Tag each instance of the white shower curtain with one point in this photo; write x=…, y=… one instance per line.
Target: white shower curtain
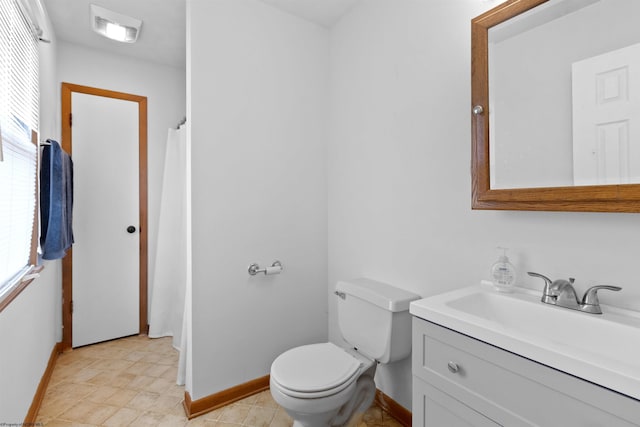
x=167, y=293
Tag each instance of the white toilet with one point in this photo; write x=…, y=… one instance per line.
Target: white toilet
x=323, y=384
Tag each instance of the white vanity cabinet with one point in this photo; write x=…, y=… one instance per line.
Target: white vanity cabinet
x=461, y=381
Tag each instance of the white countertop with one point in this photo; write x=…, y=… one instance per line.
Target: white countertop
x=603, y=349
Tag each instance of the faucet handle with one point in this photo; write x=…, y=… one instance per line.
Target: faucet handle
x=590, y=302
x=547, y=281
x=546, y=292
x=591, y=296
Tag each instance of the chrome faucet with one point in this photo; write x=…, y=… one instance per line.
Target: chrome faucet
x=562, y=293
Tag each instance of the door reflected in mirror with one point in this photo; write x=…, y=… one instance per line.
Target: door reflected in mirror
x=564, y=95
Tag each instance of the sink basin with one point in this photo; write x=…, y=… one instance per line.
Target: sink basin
x=603, y=349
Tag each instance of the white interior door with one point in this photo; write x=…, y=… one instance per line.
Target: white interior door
x=105, y=273
x=606, y=118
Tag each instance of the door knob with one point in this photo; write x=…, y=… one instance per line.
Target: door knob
x=131, y=229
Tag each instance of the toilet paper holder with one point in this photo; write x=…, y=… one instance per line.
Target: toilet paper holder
x=276, y=268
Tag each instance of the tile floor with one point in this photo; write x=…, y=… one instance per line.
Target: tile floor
x=131, y=381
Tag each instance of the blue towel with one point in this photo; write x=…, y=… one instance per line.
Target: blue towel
x=56, y=201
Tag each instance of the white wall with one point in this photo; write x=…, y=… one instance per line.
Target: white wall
x=29, y=324
x=257, y=117
x=399, y=182
x=28, y=331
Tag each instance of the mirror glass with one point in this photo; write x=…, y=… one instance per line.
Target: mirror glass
x=564, y=95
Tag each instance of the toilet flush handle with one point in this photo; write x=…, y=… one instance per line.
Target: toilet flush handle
x=341, y=294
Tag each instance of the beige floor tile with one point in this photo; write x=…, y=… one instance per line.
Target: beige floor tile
x=171, y=373
x=103, y=378
x=63, y=423
x=139, y=367
x=84, y=375
x=178, y=409
x=72, y=390
x=101, y=393
x=152, y=358
x=111, y=364
x=52, y=407
x=175, y=390
x=135, y=355
x=61, y=374
x=148, y=419
x=259, y=417
x=88, y=412
x=235, y=413
x=251, y=400
x=132, y=382
x=172, y=421
x=140, y=382
x=121, y=379
x=201, y=422
x=72, y=362
x=143, y=400
x=391, y=422
x=156, y=370
x=159, y=385
x=264, y=399
x=373, y=416
x=121, y=397
x=281, y=419
x=166, y=405
x=225, y=424
x=213, y=415
x=123, y=417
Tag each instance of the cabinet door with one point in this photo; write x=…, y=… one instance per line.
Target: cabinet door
x=509, y=389
x=432, y=408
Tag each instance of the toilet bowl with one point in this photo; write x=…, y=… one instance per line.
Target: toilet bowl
x=321, y=385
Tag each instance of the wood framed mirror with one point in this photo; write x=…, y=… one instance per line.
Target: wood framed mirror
x=499, y=126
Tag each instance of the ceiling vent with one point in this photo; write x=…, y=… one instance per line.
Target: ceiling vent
x=114, y=26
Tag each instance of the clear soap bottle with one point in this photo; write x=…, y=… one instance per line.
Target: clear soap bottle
x=503, y=273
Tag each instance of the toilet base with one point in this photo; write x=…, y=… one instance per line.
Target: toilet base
x=360, y=401
x=363, y=398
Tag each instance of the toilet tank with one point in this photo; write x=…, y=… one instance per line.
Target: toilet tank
x=374, y=318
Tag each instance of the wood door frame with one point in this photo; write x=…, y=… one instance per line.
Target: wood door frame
x=67, y=90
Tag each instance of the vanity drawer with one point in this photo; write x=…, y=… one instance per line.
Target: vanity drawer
x=432, y=408
x=510, y=389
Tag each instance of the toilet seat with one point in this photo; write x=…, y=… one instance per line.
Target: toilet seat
x=315, y=370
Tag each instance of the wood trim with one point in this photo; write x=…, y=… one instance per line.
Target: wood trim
x=35, y=234
x=35, y=231
x=30, y=419
x=194, y=408
x=393, y=408
x=67, y=144
x=67, y=318
x=17, y=289
x=67, y=267
x=600, y=198
x=143, y=203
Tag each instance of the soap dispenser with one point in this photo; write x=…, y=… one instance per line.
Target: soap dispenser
x=503, y=273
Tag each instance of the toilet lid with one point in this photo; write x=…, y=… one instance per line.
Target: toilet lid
x=314, y=368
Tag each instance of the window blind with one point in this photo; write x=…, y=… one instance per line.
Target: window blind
x=19, y=103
